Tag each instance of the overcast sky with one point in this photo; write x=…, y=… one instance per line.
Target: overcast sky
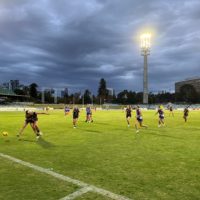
x=74, y=43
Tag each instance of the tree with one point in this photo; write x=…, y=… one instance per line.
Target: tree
x=33, y=90
x=102, y=91
x=122, y=97
x=87, y=97
x=19, y=91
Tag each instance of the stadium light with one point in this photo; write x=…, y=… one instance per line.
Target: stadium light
x=145, y=49
x=83, y=96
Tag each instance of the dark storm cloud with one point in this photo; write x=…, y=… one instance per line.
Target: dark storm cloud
x=75, y=43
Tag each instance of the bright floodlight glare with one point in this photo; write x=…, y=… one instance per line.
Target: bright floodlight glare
x=145, y=41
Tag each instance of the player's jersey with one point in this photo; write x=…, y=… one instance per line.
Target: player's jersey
x=138, y=112
x=161, y=113
x=88, y=111
x=186, y=112
x=75, y=113
x=67, y=109
x=31, y=117
x=128, y=112
x=139, y=115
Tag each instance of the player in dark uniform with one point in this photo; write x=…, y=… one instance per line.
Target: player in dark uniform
x=161, y=119
x=75, y=116
x=32, y=119
x=128, y=114
x=171, y=111
x=88, y=114
x=139, y=119
x=185, y=114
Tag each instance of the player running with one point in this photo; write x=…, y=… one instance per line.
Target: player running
x=161, y=120
x=139, y=119
x=88, y=114
x=128, y=114
x=32, y=119
x=185, y=114
x=75, y=116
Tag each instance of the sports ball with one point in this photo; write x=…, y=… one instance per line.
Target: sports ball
x=5, y=133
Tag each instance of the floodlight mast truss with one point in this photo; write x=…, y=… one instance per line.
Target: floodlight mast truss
x=145, y=51
x=55, y=94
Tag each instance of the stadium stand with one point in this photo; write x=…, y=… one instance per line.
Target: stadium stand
x=7, y=92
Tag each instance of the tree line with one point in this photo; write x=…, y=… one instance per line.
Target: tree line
x=187, y=94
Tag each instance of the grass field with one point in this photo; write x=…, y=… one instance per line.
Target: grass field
x=157, y=163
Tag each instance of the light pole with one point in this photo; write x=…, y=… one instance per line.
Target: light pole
x=145, y=48
x=83, y=99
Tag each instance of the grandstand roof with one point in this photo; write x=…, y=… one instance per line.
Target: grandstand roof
x=7, y=92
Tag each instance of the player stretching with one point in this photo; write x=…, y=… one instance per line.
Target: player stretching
x=185, y=114
x=75, y=116
x=88, y=114
x=139, y=119
x=161, y=121
x=32, y=119
x=128, y=114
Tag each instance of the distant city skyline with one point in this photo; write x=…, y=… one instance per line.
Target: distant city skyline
x=65, y=90
x=74, y=43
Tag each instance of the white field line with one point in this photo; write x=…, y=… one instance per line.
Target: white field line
x=66, y=178
x=77, y=193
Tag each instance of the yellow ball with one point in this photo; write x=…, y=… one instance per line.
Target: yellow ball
x=5, y=133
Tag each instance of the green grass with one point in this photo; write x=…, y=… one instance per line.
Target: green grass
x=157, y=163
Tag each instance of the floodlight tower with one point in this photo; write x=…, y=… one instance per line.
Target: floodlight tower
x=145, y=49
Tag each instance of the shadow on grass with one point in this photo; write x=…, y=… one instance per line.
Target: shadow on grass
x=101, y=123
x=90, y=131
x=26, y=140
x=45, y=144
x=162, y=135
x=93, y=131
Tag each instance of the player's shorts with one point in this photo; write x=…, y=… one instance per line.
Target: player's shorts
x=29, y=121
x=75, y=116
x=185, y=115
x=89, y=113
x=67, y=112
x=161, y=116
x=127, y=116
x=139, y=119
x=35, y=119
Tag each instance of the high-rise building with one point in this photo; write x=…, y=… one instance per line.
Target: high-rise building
x=6, y=85
x=64, y=92
x=110, y=91
x=14, y=84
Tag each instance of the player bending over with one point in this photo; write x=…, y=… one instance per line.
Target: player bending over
x=161, y=118
x=75, y=116
x=32, y=119
x=88, y=114
x=185, y=114
x=139, y=119
x=128, y=114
